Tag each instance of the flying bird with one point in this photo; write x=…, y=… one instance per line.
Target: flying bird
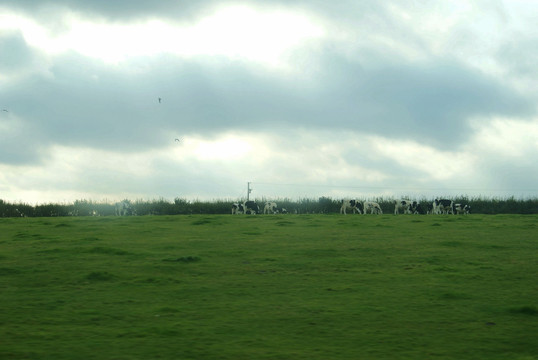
x=160, y=100
x=5, y=110
x=177, y=139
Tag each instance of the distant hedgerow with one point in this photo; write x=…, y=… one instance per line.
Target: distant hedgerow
x=323, y=205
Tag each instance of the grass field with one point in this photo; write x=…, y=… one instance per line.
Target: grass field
x=269, y=287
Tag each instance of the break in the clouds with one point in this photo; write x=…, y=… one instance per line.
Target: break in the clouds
x=304, y=100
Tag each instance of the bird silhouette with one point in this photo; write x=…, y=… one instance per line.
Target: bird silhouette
x=160, y=100
x=177, y=139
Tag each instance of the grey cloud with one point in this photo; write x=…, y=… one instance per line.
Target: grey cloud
x=178, y=9
x=16, y=55
x=114, y=10
x=514, y=176
x=520, y=56
x=432, y=102
x=431, y=105
x=16, y=149
x=85, y=103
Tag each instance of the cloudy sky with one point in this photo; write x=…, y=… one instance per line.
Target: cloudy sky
x=302, y=99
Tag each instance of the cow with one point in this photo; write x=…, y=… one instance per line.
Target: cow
x=251, y=207
x=415, y=205
x=270, y=208
x=350, y=204
x=407, y=206
x=423, y=208
x=123, y=208
x=373, y=207
x=443, y=206
x=462, y=208
x=238, y=208
x=281, y=210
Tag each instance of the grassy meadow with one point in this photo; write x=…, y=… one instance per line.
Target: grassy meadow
x=269, y=287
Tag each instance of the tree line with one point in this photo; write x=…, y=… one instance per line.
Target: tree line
x=178, y=206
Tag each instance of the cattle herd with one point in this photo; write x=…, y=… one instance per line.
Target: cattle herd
x=438, y=206
x=251, y=207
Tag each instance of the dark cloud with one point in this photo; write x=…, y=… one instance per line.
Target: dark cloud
x=432, y=103
x=16, y=55
x=119, y=10
x=18, y=148
x=86, y=103
x=178, y=9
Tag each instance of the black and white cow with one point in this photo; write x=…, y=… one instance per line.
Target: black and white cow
x=415, y=207
x=373, y=207
x=462, y=209
x=238, y=208
x=443, y=206
x=423, y=208
x=407, y=206
x=123, y=208
x=251, y=207
x=281, y=210
x=270, y=208
x=351, y=204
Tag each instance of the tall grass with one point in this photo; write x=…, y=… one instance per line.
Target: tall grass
x=179, y=206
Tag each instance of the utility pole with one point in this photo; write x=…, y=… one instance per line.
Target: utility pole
x=249, y=190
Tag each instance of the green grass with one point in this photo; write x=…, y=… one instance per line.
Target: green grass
x=269, y=287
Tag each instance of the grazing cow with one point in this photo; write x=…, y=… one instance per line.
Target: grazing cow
x=462, y=209
x=238, y=208
x=415, y=207
x=423, y=208
x=407, y=206
x=373, y=207
x=351, y=204
x=443, y=206
x=281, y=210
x=251, y=207
x=270, y=208
x=123, y=208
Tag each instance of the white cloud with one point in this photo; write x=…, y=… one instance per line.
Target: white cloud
x=437, y=165
x=236, y=32
x=506, y=138
x=228, y=148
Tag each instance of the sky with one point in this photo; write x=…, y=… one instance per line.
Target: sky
x=142, y=100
